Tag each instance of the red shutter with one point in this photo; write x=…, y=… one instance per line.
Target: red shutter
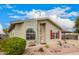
x=58, y=34
x=50, y=34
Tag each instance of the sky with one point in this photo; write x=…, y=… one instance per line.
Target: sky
x=62, y=14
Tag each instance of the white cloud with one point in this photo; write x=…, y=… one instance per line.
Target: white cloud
x=67, y=8
x=1, y=26
x=59, y=11
x=55, y=11
x=66, y=24
x=1, y=29
x=15, y=16
x=36, y=14
x=73, y=14
x=18, y=11
x=8, y=6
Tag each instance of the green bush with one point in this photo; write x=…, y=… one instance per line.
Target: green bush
x=13, y=46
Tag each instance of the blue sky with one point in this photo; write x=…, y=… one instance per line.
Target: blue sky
x=12, y=12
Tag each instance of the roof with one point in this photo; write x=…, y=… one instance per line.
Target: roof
x=12, y=25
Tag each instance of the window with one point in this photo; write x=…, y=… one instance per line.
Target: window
x=54, y=35
x=30, y=34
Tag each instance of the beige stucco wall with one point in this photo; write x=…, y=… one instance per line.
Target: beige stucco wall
x=49, y=26
x=30, y=24
x=17, y=31
x=20, y=30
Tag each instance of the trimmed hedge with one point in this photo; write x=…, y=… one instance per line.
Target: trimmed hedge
x=13, y=46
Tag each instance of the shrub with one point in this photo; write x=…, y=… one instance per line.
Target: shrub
x=13, y=46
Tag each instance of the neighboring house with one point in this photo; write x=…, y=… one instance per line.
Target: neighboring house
x=40, y=30
x=2, y=34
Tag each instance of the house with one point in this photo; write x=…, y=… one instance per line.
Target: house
x=39, y=30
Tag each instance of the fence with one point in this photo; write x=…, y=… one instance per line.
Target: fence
x=72, y=36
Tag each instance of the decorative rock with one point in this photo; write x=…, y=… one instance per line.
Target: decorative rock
x=41, y=50
x=31, y=43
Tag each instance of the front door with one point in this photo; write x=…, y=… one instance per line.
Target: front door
x=42, y=33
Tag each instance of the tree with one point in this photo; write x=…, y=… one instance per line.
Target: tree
x=5, y=30
x=77, y=25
